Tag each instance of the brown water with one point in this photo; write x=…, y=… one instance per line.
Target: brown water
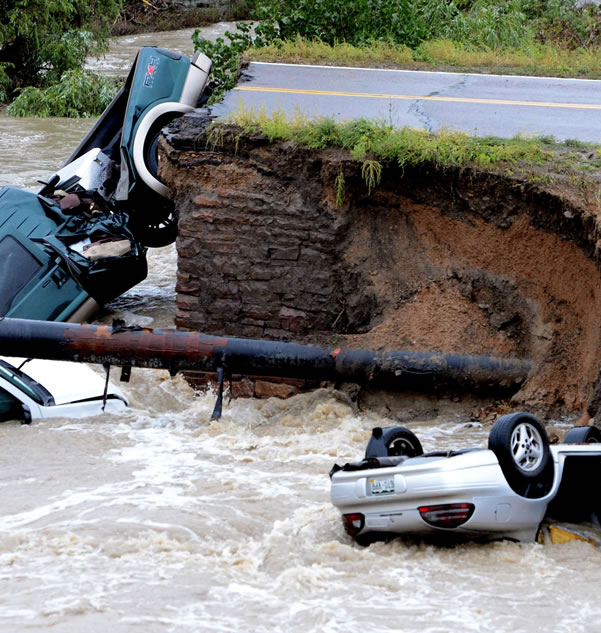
x=157, y=520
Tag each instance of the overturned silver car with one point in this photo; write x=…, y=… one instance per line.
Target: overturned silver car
x=503, y=491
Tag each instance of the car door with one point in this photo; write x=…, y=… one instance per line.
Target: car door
x=33, y=284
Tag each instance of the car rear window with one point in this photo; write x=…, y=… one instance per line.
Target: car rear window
x=17, y=268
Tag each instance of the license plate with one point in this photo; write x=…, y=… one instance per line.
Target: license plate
x=382, y=486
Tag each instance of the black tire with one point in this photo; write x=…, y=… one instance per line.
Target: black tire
x=154, y=221
x=156, y=234
x=583, y=435
x=151, y=151
x=151, y=142
x=521, y=445
x=393, y=441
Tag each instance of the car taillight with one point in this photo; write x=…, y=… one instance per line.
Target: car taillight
x=353, y=523
x=450, y=515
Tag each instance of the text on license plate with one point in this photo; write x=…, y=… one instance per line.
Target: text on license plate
x=381, y=486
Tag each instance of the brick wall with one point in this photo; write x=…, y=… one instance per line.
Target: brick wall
x=259, y=246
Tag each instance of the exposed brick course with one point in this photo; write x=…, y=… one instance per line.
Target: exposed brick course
x=259, y=251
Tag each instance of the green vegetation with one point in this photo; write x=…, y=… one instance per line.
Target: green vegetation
x=77, y=95
x=537, y=59
x=225, y=57
x=409, y=22
x=475, y=23
x=339, y=185
x=371, y=171
x=42, y=41
x=373, y=141
x=300, y=50
x=548, y=37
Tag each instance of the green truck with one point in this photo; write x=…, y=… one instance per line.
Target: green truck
x=82, y=239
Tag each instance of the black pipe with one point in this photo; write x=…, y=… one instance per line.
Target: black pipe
x=181, y=351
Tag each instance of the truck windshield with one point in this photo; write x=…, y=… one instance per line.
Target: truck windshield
x=17, y=268
x=26, y=384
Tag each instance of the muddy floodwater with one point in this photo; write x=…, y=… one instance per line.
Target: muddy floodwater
x=158, y=520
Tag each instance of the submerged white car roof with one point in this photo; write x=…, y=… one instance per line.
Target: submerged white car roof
x=65, y=380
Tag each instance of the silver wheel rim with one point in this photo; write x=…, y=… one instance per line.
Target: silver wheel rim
x=526, y=447
x=401, y=446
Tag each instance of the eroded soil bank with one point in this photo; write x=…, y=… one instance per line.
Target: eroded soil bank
x=469, y=261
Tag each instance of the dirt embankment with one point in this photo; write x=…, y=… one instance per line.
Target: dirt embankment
x=464, y=261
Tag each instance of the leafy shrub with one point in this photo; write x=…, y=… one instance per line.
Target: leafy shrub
x=79, y=94
x=5, y=82
x=225, y=57
x=42, y=39
x=408, y=22
x=490, y=25
x=570, y=23
x=355, y=22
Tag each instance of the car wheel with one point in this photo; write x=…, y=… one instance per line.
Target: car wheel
x=145, y=144
x=151, y=143
x=521, y=445
x=158, y=234
x=151, y=150
x=154, y=223
x=583, y=435
x=393, y=441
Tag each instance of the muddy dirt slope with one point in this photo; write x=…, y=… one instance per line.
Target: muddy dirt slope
x=467, y=261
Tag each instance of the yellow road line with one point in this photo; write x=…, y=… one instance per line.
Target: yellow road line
x=536, y=104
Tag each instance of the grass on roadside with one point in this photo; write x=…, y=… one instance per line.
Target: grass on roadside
x=368, y=140
x=343, y=54
x=539, y=161
x=536, y=59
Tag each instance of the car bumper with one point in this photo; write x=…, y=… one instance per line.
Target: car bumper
x=389, y=498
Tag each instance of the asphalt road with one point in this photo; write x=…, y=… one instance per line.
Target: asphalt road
x=498, y=105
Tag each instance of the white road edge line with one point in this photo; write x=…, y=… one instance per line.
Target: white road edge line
x=431, y=72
